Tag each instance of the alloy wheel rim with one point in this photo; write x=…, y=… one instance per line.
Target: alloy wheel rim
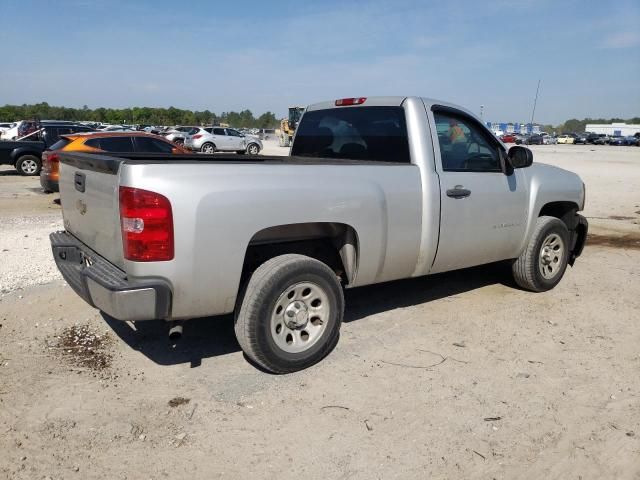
x=551, y=256
x=29, y=166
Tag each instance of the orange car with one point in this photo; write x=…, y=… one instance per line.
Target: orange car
x=100, y=142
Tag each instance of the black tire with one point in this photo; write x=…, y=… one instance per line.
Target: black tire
x=528, y=268
x=179, y=141
x=206, y=146
x=253, y=149
x=258, y=304
x=29, y=165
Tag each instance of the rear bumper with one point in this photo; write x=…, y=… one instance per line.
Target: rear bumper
x=49, y=185
x=106, y=287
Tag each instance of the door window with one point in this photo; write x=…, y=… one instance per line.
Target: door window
x=152, y=145
x=464, y=145
x=218, y=131
x=112, y=144
x=233, y=133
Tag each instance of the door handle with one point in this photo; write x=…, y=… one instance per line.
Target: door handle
x=458, y=192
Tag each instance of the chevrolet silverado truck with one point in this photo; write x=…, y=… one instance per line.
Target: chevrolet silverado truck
x=374, y=190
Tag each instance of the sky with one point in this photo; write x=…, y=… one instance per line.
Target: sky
x=264, y=55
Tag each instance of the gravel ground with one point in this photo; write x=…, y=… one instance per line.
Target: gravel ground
x=25, y=255
x=458, y=375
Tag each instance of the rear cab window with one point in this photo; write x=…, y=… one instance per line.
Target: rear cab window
x=354, y=133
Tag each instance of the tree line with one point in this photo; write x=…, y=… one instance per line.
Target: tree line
x=137, y=116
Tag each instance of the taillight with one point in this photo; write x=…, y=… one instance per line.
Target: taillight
x=345, y=102
x=195, y=137
x=53, y=160
x=147, y=225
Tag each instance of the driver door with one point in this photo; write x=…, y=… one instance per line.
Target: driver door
x=483, y=211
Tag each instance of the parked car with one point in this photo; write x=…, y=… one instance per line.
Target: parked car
x=100, y=142
x=631, y=141
x=602, y=139
x=369, y=194
x=586, y=138
x=566, y=138
x=25, y=155
x=522, y=138
x=549, y=139
x=224, y=140
x=535, y=139
x=617, y=140
x=178, y=134
x=508, y=138
x=5, y=127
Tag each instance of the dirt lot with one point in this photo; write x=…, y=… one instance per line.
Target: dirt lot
x=454, y=376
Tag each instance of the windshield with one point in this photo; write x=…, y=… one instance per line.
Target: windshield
x=360, y=133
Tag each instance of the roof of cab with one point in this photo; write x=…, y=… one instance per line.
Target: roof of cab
x=391, y=101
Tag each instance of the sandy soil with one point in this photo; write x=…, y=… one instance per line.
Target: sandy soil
x=457, y=375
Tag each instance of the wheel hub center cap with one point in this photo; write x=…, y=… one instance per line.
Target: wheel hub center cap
x=296, y=315
x=546, y=256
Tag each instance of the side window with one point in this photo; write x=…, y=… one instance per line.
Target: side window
x=116, y=144
x=93, y=142
x=464, y=146
x=152, y=145
x=233, y=133
x=208, y=130
x=218, y=131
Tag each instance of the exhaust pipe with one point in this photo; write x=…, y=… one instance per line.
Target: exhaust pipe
x=175, y=330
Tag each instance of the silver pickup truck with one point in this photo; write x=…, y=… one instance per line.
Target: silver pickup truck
x=375, y=189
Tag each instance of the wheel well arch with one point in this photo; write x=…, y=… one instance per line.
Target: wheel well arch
x=333, y=243
x=18, y=154
x=565, y=211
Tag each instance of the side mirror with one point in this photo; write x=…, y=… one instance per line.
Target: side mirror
x=520, y=157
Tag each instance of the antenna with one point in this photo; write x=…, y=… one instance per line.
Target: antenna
x=533, y=112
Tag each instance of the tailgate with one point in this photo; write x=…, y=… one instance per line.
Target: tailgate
x=89, y=196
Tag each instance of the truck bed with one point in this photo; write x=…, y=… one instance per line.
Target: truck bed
x=222, y=204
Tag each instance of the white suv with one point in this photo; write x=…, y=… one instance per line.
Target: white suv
x=219, y=139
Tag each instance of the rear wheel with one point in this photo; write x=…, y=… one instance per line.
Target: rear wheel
x=28, y=165
x=208, y=148
x=543, y=263
x=290, y=314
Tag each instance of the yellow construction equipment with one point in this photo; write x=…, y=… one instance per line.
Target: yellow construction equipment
x=288, y=125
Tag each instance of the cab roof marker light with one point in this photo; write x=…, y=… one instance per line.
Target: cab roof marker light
x=345, y=102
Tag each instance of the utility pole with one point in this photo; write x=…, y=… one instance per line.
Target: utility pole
x=535, y=101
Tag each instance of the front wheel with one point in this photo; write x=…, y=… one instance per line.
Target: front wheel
x=290, y=314
x=253, y=149
x=543, y=263
x=29, y=165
